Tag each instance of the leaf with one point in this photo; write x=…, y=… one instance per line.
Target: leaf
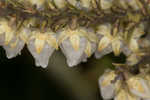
x=13, y=49
x=107, y=88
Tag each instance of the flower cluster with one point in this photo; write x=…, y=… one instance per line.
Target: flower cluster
x=77, y=43
x=80, y=28
x=125, y=86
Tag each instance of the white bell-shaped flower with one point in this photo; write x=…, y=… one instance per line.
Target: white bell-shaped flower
x=14, y=47
x=73, y=56
x=139, y=87
x=6, y=32
x=77, y=44
x=41, y=46
x=17, y=43
x=103, y=52
x=107, y=87
x=89, y=50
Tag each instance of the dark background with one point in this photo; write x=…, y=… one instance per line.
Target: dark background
x=20, y=79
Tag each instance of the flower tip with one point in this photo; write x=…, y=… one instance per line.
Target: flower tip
x=116, y=53
x=100, y=48
x=38, y=50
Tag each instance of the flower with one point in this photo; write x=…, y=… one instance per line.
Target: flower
x=76, y=44
x=108, y=42
x=139, y=87
x=6, y=32
x=9, y=39
x=41, y=46
x=107, y=87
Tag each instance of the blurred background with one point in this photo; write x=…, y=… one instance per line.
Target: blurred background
x=20, y=79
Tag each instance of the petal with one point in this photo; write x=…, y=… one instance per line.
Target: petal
x=39, y=45
x=137, y=33
x=104, y=42
x=90, y=35
x=75, y=41
x=88, y=49
x=25, y=34
x=8, y=37
x=63, y=36
x=125, y=49
x=104, y=52
x=122, y=95
x=51, y=40
x=104, y=29
x=2, y=39
x=106, y=4
x=4, y=27
x=134, y=45
x=116, y=44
